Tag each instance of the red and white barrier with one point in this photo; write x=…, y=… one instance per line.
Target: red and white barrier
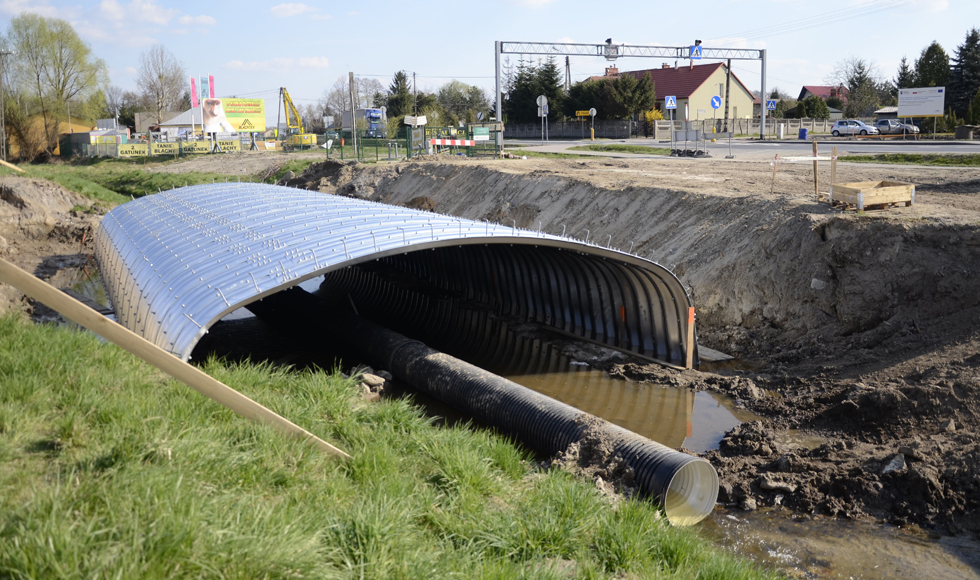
x=456, y=142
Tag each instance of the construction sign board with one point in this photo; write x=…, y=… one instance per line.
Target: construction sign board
x=245, y=115
x=924, y=102
x=581, y=113
x=132, y=150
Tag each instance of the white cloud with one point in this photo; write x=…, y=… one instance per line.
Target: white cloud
x=565, y=39
x=934, y=5
x=181, y=31
x=291, y=9
x=130, y=69
x=314, y=62
x=534, y=3
x=40, y=7
x=279, y=64
x=202, y=20
x=136, y=11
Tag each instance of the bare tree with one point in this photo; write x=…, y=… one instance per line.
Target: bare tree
x=113, y=99
x=161, y=78
x=337, y=99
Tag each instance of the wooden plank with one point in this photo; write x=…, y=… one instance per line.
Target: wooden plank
x=156, y=356
x=11, y=166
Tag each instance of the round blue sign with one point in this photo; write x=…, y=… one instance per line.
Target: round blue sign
x=715, y=102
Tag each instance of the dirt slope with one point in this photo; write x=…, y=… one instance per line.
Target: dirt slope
x=44, y=229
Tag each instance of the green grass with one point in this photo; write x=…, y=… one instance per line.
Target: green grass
x=108, y=469
x=543, y=155
x=946, y=160
x=619, y=148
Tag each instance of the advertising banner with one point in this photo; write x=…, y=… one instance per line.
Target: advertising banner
x=196, y=147
x=234, y=115
x=164, y=149
x=194, y=101
x=924, y=102
x=132, y=150
x=229, y=146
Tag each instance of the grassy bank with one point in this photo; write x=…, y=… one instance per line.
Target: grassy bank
x=111, y=470
x=620, y=148
x=948, y=160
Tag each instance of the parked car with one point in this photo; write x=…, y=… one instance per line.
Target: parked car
x=852, y=127
x=894, y=126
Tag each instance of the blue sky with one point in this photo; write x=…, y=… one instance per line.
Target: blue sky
x=252, y=48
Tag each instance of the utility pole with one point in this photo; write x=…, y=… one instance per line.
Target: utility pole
x=353, y=120
x=568, y=76
x=3, y=120
x=278, y=116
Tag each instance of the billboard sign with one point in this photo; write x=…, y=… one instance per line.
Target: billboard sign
x=234, y=115
x=924, y=102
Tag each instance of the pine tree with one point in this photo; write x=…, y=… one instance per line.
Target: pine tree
x=399, y=99
x=520, y=105
x=932, y=67
x=551, y=83
x=906, y=77
x=975, y=118
x=964, y=79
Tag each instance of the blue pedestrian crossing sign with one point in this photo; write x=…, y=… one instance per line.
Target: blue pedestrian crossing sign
x=715, y=102
x=696, y=52
x=770, y=105
x=671, y=102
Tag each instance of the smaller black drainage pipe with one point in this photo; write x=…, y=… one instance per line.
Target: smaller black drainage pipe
x=687, y=486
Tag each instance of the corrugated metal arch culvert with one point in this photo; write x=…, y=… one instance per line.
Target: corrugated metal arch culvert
x=176, y=262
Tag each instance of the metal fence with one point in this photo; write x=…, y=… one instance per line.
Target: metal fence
x=609, y=129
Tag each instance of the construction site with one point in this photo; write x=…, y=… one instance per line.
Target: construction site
x=832, y=383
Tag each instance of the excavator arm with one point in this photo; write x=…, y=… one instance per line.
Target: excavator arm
x=290, y=108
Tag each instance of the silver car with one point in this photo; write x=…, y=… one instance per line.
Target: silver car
x=895, y=127
x=852, y=127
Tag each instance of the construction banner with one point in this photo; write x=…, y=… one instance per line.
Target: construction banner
x=195, y=147
x=165, y=148
x=228, y=146
x=234, y=115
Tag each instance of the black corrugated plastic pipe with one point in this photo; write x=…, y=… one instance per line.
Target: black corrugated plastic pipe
x=687, y=486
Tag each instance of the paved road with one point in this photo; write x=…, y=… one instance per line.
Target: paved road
x=756, y=150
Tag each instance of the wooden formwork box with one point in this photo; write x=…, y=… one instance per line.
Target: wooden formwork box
x=863, y=194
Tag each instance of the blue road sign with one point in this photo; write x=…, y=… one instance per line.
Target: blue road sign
x=715, y=102
x=671, y=102
x=695, y=52
x=770, y=105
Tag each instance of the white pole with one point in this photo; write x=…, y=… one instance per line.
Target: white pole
x=762, y=124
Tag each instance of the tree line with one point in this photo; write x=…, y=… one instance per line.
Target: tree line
x=868, y=89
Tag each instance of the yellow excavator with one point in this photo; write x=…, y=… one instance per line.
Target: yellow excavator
x=294, y=124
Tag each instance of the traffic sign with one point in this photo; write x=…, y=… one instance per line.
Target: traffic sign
x=543, y=111
x=715, y=102
x=770, y=105
x=581, y=113
x=671, y=102
x=592, y=112
x=542, y=100
x=695, y=52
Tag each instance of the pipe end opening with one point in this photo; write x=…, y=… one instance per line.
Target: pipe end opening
x=692, y=493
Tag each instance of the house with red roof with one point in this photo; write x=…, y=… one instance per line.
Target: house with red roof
x=824, y=92
x=694, y=86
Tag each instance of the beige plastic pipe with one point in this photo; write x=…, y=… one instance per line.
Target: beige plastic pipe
x=156, y=356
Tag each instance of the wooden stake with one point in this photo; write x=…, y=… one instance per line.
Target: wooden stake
x=816, y=188
x=690, y=338
x=11, y=166
x=833, y=173
x=156, y=356
x=775, y=164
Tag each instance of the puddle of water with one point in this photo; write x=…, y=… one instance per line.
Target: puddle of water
x=819, y=547
x=675, y=417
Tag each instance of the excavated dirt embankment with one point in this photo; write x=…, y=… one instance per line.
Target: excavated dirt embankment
x=859, y=328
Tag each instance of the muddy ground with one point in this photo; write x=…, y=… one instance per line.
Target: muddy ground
x=856, y=333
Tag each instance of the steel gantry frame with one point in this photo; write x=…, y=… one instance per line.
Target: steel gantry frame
x=611, y=51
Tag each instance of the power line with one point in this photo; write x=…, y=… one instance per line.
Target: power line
x=820, y=19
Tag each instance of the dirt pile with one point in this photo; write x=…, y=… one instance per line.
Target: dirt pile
x=594, y=457
x=347, y=178
x=44, y=229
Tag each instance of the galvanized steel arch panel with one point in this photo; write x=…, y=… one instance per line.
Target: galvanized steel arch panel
x=176, y=262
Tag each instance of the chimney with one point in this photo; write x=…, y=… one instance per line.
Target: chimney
x=612, y=71
x=665, y=65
